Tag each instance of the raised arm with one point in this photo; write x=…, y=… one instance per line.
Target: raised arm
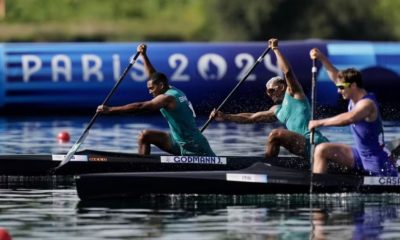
x=263, y=116
x=315, y=53
x=294, y=87
x=142, y=48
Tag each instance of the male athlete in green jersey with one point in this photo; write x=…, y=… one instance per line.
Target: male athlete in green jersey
x=185, y=138
x=291, y=108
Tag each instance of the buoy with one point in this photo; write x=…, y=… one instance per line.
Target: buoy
x=63, y=137
x=4, y=235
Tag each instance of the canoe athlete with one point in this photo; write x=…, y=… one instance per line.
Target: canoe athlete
x=368, y=155
x=291, y=108
x=184, y=138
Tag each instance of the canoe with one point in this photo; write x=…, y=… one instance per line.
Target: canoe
x=92, y=161
x=260, y=178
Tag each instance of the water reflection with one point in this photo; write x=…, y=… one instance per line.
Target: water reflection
x=359, y=217
x=58, y=214
x=346, y=216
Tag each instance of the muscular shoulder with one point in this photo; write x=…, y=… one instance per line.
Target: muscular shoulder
x=368, y=107
x=366, y=103
x=164, y=100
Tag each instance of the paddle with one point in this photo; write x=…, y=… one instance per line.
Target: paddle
x=313, y=100
x=312, y=143
x=237, y=86
x=82, y=138
x=394, y=148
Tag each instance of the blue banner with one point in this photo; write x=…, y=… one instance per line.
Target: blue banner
x=79, y=75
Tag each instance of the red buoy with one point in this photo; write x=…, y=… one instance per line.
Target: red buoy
x=63, y=137
x=4, y=235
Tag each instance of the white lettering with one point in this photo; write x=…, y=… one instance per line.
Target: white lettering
x=75, y=158
x=179, y=62
x=239, y=177
x=30, y=65
x=245, y=61
x=192, y=109
x=142, y=75
x=116, y=66
x=382, y=181
x=194, y=159
x=57, y=69
x=271, y=67
x=95, y=69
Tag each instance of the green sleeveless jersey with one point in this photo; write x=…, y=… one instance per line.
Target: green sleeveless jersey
x=184, y=131
x=295, y=115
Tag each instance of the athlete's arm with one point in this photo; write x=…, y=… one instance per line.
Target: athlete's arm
x=294, y=87
x=332, y=71
x=363, y=110
x=262, y=116
x=155, y=104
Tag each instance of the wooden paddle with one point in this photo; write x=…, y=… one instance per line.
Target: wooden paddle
x=236, y=87
x=82, y=138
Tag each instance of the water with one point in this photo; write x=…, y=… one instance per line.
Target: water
x=57, y=213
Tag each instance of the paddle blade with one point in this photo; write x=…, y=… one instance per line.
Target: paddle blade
x=392, y=145
x=73, y=150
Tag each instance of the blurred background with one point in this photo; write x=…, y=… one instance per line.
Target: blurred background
x=52, y=50
x=60, y=57
x=195, y=20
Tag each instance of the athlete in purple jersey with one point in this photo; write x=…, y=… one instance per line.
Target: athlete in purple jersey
x=365, y=122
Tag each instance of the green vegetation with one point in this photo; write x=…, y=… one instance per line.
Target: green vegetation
x=198, y=20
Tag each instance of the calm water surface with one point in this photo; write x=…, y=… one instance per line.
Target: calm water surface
x=55, y=212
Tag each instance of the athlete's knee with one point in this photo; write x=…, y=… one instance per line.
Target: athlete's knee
x=321, y=150
x=275, y=136
x=270, y=154
x=143, y=135
x=320, y=158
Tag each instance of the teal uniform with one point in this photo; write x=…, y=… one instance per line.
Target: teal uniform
x=295, y=115
x=185, y=136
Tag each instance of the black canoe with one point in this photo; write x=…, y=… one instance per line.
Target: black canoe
x=260, y=178
x=92, y=161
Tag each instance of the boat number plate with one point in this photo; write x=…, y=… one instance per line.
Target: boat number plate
x=382, y=181
x=194, y=160
x=75, y=158
x=242, y=177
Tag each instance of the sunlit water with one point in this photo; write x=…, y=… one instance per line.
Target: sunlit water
x=57, y=213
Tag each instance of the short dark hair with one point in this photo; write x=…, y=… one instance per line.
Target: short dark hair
x=351, y=75
x=158, y=77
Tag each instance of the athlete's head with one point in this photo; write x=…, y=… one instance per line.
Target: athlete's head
x=157, y=84
x=348, y=80
x=275, y=89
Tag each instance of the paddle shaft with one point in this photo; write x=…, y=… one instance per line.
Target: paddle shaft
x=313, y=103
x=75, y=147
x=113, y=90
x=313, y=97
x=236, y=87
